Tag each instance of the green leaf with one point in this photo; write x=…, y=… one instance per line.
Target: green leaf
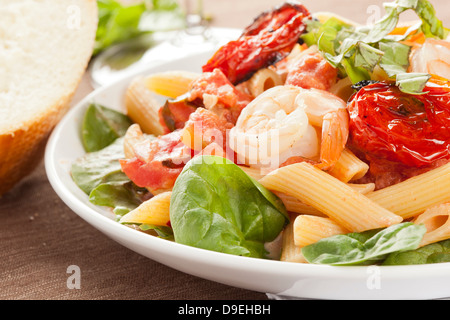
x=412, y=83
x=353, y=249
x=367, y=56
x=432, y=253
x=217, y=206
x=96, y=168
x=356, y=74
x=100, y=176
x=101, y=126
x=431, y=25
x=395, y=59
x=117, y=23
x=161, y=231
x=121, y=196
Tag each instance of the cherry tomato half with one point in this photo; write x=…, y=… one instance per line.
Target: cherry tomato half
x=388, y=124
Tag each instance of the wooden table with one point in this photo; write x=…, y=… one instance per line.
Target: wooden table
x=41, y=237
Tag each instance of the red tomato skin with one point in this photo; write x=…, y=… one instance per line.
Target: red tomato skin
x=409, y=129
x=269, y=39
x=157, y=163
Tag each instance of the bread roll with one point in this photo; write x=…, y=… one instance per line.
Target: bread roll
x=45, y=46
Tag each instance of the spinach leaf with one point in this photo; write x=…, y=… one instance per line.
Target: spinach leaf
x=100, y=176
x=101, y=126
x=160, y=231
x=432, y=253
x=99, y=167
x=370, y=247
x=121, y=196
x=217, y=206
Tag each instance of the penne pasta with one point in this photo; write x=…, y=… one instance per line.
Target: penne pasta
x=331, y=196
x=310, y=229
x=255, y=173
x=343, y=89
x=132, y=137
x=289, y=251
x=415, y=195
x=363, y=188
x=349, y=167
x=437, y=222
x=155, y=211
x=171, y=84
x=292, y=204
x=262, y=80
x=142, y=107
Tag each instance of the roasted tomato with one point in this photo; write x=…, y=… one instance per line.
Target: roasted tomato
x=267, y=40
x=411, y=130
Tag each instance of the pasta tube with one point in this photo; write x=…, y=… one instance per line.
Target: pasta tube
x=349, y=167
x=294, y=205
x=437, y=222
x=415, y=195
x=155, y=211
x=289, y=251
x=255, y=173
x=142, y=107
x=262, y=80
x=132, y=137
x=310, y=229
x=171, y=84
x=337, y=200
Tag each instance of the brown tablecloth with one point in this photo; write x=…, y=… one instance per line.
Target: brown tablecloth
x=40, y=237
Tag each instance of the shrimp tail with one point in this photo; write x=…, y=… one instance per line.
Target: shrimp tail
x=334, y=138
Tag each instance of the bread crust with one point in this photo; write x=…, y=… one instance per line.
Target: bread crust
x=22, y=149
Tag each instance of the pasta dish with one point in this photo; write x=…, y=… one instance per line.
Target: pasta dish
x=309, y=139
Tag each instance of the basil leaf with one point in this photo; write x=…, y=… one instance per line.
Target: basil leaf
x=367, y=56
x=412, y=83
x=356, y=74
x=217, y=206
x=395, y=59
x=353, y=249
x=390, y=20
x=101, y=126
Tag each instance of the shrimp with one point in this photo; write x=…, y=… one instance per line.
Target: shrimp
x=281, y=125
x=432, y=57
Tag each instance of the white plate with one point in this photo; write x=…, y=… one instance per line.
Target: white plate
x=279, y=279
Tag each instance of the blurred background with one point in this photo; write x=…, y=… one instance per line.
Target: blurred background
x=130, y=32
